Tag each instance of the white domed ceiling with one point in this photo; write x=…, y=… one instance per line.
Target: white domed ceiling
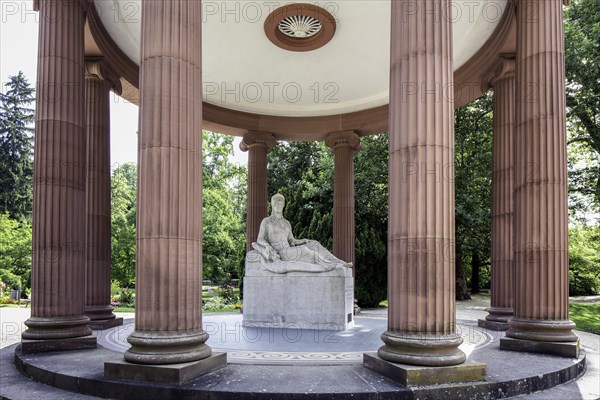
x=243, y=70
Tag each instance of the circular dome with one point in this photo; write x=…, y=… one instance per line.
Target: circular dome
x=243, y=70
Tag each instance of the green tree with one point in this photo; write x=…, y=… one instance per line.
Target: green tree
x=123, y=220
x=224, y=199
x=582, y=59
x=473, y=177
x=16, y=147
x=371, y=208
x=15, y=252
x=584, y=259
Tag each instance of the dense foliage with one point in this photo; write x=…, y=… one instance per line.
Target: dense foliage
x=123, y=219
x=223, y=215
x=15, y=253
x=16, y=182
x=224, y=204
x=473, y=183
x=582, y=58
x=16, y=147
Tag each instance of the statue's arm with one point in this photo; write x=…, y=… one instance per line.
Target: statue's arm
x=264, y=241
x=291, y=240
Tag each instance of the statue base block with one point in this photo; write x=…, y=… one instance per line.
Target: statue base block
x=298, y=300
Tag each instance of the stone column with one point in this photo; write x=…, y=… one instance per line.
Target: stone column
x=343, y=145
x=58, y=266
x=168, y=319
x=258, y=145
x=421, y=284
x=99, y=80
x=541, y=309
x=502, y=79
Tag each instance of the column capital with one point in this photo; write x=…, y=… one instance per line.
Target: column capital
x=343, y=138
x=98, y=68
x=504, y=68
x=255, y=138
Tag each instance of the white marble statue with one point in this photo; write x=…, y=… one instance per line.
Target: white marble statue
x=281, y=253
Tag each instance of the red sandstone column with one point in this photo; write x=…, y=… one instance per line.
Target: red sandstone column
x=502, y=79
x=58, y=267
x=99, y=80
x=258, y=145
x=169, y=220
x=343, y=145
x=421, y=293
x=541, y=309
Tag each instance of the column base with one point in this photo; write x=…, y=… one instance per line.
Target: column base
x=105, y=323
x=56, y=328
x=499, y=314
x=159, y=348
x=29, y=346
x=541, y=330
x=423, y=350
x=564, y=349
x=492, y=325
x=99, y=312
x=173, y=373
x=410, y=375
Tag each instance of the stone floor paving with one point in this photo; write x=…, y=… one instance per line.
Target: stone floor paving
x=281, y=346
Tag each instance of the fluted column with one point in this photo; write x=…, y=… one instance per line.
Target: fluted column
x=258, y=145
x=168, y=315
x=99, y=80
x=343, y=145
x=502, y=79
x=421, y=293
x=541, y=309
x=58, y=264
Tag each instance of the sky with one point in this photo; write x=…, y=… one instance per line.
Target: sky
x=18, y=52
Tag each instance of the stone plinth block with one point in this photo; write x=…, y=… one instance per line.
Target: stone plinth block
x=492, y=325
x=105, y=323
x=30, y=346
x=564, y=349
x=304, y=300
x=168, y=373
x=411, y=375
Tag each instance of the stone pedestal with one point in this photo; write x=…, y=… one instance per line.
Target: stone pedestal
x=43, y=346
x=172, y=373
x=411, y=375
x=298, y=300
x=563, y=349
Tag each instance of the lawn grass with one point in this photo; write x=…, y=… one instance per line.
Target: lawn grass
x=586, y=316
x=124, y=309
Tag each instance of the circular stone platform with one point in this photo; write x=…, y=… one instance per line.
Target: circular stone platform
x=301, y=368
x=291, y=345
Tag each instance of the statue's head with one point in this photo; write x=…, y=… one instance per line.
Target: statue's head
x=277, y=202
